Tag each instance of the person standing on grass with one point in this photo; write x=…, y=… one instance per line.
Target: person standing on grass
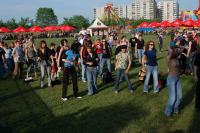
x=122, y=66
x=133, y=41
x=9, y=59
x=69, y=69
x=91, y=62
x=44, y=54
x=2, y=60
x=173, y=84
x=98, y=47
x=30, y=54
x=160, y=41
x=54, y=67
x=83, y=52
x=140, y=48
x=19, y=59
x=106, y=57
x=63, y=48
x=197, y=79
x=75, y=47
x=149, y=59
x=191, y=52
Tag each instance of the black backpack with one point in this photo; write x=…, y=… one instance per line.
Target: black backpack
x=107, y=77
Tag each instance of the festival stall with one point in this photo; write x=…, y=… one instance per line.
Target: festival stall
x=98, y=28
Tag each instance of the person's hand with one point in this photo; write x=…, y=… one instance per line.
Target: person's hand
x=196, y=78
x=89, y=63
x=126, y=71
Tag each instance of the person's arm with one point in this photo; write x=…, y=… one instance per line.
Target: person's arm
x=59, y=56
x=129, y=64
x=144, y=58
x=195, y=73
x=189, y=49
x=26, y=54
x=116, y=63
x=4, y=58
x=81, y=53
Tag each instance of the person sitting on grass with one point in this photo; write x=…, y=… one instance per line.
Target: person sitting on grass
x=122, y=66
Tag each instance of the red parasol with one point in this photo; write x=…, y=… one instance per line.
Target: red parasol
x=4, y=30
x=51, y=28
x=189, y=23
x=66, y=28
x=20, y=29
x=165, y=24
x=177, y=23
x=143, y=25
x=154, y=24
x=36, y=29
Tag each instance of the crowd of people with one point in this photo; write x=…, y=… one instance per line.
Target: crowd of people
x=89, y=58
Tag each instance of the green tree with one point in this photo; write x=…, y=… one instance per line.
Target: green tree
x=11, y=24
x=77, y=21
x=2, y=24
x=46, y=16
x=24, y=22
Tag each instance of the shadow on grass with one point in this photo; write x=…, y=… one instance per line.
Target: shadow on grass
x=195, y=124
x=110, y=119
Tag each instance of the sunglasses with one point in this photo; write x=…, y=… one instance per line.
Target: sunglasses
x=151, y=44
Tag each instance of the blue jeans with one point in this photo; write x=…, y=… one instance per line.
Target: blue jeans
x=10, y=65
x=100, y=62
x=151, y=70
x=1, y=70
x=91, y=80
x=119, y=73
x=108, y=62
x=83, y=71
x=175, y=95
x=43, y=67
x=140, y=53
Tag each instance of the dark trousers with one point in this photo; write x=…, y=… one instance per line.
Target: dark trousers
x=197, y=104
x=66, y=72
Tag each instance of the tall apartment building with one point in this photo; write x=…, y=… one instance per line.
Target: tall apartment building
x=123, y=11
x=168, y=10
x=144, y=9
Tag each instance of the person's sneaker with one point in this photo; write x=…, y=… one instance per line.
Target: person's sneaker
x=78, y=97
x=64, y=99
x=145, y=93
x=131, y=91
x=84, y=81
x=116, y=92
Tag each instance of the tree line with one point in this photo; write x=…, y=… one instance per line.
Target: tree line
x=46, y=16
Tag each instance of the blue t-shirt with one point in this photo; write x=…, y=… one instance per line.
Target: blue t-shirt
x=151, y=58
x=69, y=57
x=172, y=44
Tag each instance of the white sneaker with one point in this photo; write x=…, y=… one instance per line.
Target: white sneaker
x=116, y=92
x=64, y=99
x=84, y=81
x=78, y=97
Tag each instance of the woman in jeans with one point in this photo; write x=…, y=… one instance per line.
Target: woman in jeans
x=44, y=59
x=9, y=59
x=150, y=60
x=173, y=84
x=191, y=52
x=122, y=66
x=106, y=57
x=30, y=54
x=91, y=61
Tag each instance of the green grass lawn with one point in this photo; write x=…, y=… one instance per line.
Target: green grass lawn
x=28, y=108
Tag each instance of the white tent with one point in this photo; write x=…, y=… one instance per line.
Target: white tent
x=97, y=25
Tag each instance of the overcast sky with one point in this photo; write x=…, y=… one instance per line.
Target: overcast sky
x=65, y=8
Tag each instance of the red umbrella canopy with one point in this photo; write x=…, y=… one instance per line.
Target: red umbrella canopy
x=36, y=29
x=154, y=24
x=189, y=23
x=177, y=23
x=198, y=22
x=51, y=28
x=165, y=24
x=20, y=29
x=4, y=30
x=143, y=25
x=66, y=28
